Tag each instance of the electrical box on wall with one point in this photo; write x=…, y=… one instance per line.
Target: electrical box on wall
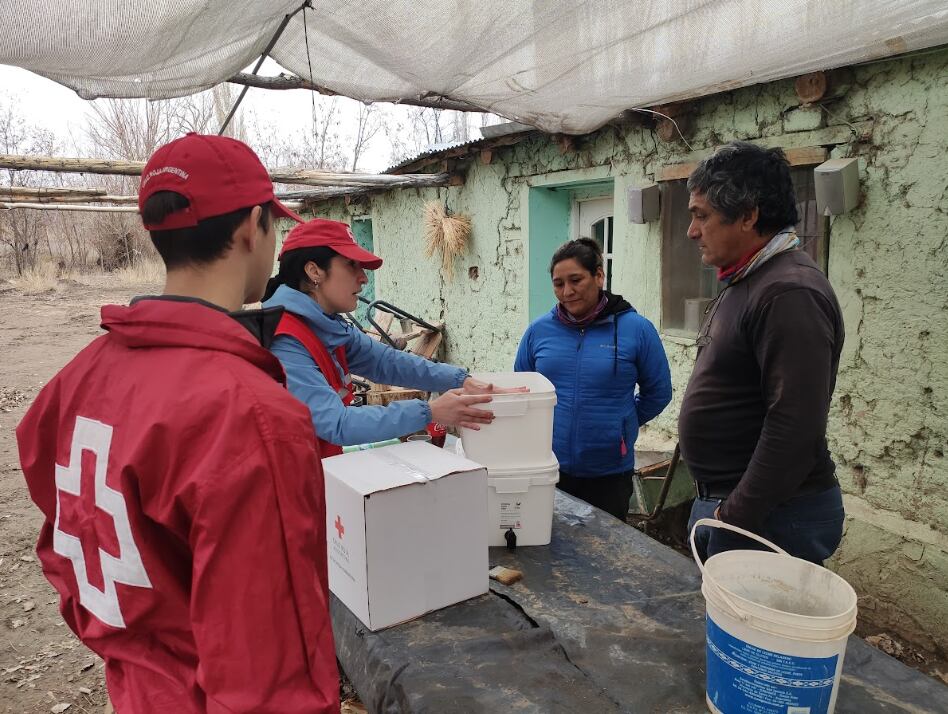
x=644, y=203
x=837, y=186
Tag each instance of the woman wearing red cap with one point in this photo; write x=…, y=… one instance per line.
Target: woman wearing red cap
x=322, y=272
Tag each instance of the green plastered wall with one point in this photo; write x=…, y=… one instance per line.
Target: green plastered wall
x=888, y=262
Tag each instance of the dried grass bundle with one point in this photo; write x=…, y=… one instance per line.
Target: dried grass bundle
x=446, y=233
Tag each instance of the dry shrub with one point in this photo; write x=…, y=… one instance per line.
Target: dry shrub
x=43, y=277
x=146, y=271
x=446, y=233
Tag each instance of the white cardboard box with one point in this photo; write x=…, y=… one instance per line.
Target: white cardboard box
x=405, y=530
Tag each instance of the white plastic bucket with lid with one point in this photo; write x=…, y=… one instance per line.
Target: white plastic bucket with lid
x=777, y=628
x=521, y=434
x=521, y=501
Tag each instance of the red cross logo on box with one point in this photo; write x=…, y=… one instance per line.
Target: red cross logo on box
x=92, y=527
x=340, y=529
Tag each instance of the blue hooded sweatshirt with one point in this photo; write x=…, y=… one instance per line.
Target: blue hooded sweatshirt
x=367, y=358
x=595, y=371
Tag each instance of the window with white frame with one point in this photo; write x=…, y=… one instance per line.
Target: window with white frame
x=595, y=220
x=688, y=286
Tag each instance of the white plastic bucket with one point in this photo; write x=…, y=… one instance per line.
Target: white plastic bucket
x=522, y=432
x=521, y=500
x=777, y=628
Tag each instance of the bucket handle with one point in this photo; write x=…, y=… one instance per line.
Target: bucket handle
x=715, y=523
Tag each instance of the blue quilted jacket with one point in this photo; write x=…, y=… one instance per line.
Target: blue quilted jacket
x=611, y=378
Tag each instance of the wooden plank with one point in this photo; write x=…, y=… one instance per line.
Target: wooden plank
x=806, y=156
x=396, y=394
x=675, y=172
x=427, y=346
x=291, y=175
x=49, y=192
x=827, y=136
x=797, y=156
x=79, y=208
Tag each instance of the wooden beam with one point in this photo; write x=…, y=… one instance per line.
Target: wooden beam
x=806, y=155
x=71, y=165
x=298, y=199
x=669, y=130
x=74, y=198
x=69, y=207
x=290, y=175
x=675, y=172
x=41, y=192
x=803, y=156
x=91, y=208
x=316, y=194
x=291, y=81
x=811, y=87
x=89, y=195
x=317, y=177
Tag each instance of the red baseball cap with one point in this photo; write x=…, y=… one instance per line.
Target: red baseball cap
x=331, y=234
x=216, y=174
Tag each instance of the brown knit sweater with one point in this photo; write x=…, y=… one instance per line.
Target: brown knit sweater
x=755, y=409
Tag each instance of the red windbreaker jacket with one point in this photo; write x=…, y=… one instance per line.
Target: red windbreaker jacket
x=185, y=516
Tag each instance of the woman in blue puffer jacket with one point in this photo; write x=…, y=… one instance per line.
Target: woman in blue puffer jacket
x=596, y=349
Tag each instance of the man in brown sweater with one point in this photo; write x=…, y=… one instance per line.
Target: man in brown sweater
x=752, y=425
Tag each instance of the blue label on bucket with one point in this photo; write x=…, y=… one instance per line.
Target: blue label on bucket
x=744, y=679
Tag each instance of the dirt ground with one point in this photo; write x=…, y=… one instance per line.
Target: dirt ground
x=43, y=667
x=41, y=663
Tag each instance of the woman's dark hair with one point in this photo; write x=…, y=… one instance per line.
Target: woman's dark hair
x=740, y=177
x=204, y=243
x=292, y=268
x=584, y=251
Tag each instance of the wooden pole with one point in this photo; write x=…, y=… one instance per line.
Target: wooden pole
x=82, y=199
x=290, y=175
x=316, y=177
x=49, y=192
x=69, y=165
x=90, y=208
x=291, y=81
x=40, y=195
x=69, y=207
x=266, y=53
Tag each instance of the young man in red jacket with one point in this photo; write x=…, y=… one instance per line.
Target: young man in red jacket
x=181, y=483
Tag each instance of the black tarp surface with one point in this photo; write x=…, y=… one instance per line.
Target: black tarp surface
x=605, y=620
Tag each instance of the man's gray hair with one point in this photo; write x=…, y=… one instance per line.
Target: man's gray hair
x=740, y=177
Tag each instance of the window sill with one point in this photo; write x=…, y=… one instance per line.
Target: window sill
x=680, y=337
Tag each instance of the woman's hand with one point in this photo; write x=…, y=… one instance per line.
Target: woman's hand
x=454, y=408
x=476, y=386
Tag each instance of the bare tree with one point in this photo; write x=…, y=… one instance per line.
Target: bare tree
x=127, y=128
x=22, y=231
x=320, y=146
x=368, y=124
x=412, y=130
x=326, y=134
x=132, y=129
x=223, y=97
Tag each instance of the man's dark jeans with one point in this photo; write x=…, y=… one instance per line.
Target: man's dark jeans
x=808, y=527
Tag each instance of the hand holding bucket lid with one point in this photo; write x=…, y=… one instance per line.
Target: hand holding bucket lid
x=217, y=174
x=331, y=234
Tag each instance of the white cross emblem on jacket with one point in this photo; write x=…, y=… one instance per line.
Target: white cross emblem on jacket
x=84, y=505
